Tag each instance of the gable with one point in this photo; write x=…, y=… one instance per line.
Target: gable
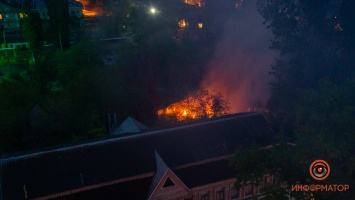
x=169, y=186
x=133, y=155
x=168, y=183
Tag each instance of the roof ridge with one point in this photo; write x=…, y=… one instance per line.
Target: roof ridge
x=146, y=134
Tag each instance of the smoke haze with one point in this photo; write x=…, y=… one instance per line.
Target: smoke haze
x=241, y=60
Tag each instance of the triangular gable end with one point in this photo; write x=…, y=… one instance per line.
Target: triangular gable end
x=166, y=182
x=168, y=185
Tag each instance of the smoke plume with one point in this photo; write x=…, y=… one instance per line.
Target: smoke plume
x=241, y=60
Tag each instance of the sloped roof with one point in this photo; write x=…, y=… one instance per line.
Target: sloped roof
x=162, y=171
x=206, y=173
x=130, y=125
x=125, y=158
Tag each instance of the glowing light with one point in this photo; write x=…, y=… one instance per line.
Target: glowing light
x=153, y=10
x=198, y=104
x=338, y=27
x=182, y=23
x=200, y=25
x=89, y=13
x=194, y=2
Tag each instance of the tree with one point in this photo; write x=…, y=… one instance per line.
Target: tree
x=59, y=22
x=33, y=31
x=18, y=95
x=310, y=38
x=312, y=102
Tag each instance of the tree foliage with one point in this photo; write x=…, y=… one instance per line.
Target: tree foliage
x=33, y=31
x=59, y=21
x=312, y=102
x=73, y=90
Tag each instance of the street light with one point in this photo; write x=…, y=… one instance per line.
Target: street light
x=153, y=10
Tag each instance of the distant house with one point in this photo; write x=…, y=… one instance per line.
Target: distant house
x=183, y=162
x=40, y=6
x=9, y=17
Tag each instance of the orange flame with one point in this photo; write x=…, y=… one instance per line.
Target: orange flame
x=88, y=13
x=200, y=104
x=182, y=23
x=194, y=2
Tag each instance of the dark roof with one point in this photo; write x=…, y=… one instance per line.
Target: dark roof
x=206, y=173
x=68, y=168
x=192, y=176
x=126, y=190
x=160, y=172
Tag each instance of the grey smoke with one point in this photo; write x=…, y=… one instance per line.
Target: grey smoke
x=240, y=66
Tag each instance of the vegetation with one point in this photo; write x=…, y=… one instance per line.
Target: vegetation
x=312, y=102
x=62, y=93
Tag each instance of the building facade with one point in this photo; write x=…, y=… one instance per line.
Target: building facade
x=183, y=162
x=10, y=10
x=9, y=17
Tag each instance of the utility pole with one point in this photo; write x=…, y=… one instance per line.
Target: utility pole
x=3, y=34
x=60, y=42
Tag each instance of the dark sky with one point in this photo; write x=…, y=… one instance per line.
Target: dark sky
x=241, y=61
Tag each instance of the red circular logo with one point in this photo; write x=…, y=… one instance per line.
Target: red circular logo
x=319, y=170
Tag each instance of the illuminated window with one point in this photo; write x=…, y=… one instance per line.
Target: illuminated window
x=21, y=15
x=200, y=25
x=0, y=16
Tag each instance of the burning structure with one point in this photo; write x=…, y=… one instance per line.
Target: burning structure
x=199, y=3
x=199, y=104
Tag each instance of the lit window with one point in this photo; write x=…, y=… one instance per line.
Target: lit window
x=21, y=15
x=0, y=16
x=200, y=25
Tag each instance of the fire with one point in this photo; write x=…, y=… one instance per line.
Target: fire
x=194, y=2
x=182, y=23
x=199, y=104
x=90, y=10
x=88, y=13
